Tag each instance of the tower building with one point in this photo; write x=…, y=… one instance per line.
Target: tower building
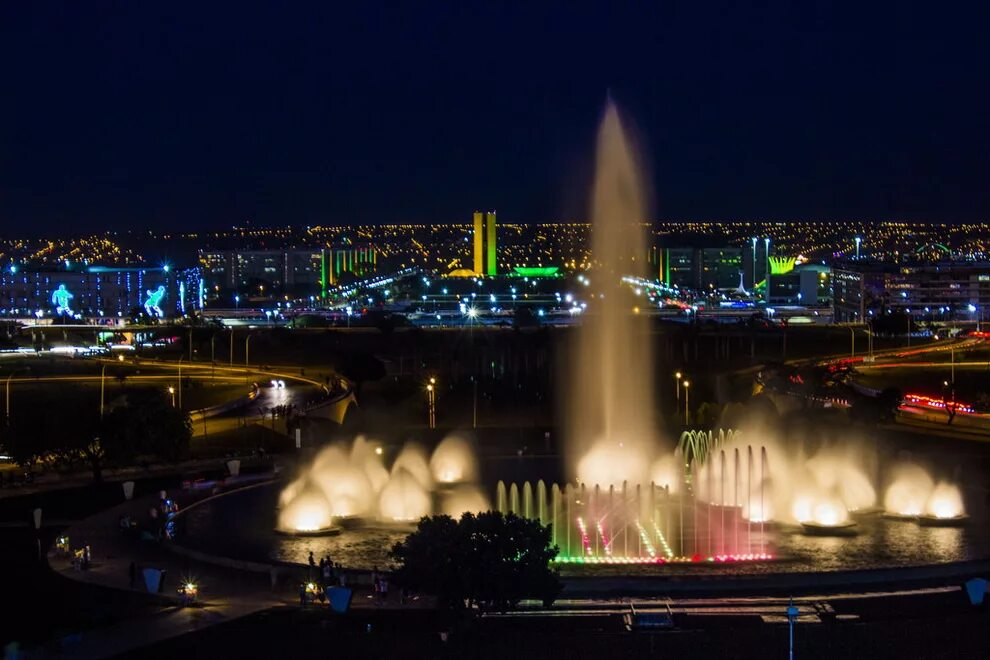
x=485, y=254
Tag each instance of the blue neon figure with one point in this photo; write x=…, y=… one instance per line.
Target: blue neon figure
x=154, y=298
x=60, y=298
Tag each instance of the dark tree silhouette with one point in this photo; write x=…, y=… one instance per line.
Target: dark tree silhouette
x=489, y=561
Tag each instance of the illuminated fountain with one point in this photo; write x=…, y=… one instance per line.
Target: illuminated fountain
x=944, y=507
x=908, y=493
x=608, y=405
x=702, y=504
x=352, y=484
x=913, y=495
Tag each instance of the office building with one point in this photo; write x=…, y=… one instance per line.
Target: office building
x=485, y=252
x=944, y=289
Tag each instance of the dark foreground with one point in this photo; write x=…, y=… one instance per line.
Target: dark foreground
x=940, y=625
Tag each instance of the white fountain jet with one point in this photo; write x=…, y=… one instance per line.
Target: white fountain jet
x=609, y=407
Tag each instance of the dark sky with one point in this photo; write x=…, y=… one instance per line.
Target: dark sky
x=203, y=115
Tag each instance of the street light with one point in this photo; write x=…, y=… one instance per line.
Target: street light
x=180, y=382
x=171, y=390
x=429, y=402
x=103, y=376
x=677, y=384
x=247, y=347
x=687, y=406
x=12, y=373
x=859, y=240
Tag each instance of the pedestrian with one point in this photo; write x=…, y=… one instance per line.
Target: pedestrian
x=302, y=595
x=312, y=566
x=327, y=572
x=132, y=573
x=384, y=589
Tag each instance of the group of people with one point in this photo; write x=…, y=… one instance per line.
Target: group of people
x=82, y=558
x=327, y=573
x=379, y=585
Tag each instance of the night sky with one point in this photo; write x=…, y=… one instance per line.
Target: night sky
x=199, y=115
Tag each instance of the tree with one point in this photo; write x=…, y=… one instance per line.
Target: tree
x=56, y=430
x=881, y=409
x=148, y=425
x=360, y=366
x=488, y=560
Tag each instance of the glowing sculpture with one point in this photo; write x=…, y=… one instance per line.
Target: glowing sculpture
x=151, y=305
x=60, y=298
x=781, y=265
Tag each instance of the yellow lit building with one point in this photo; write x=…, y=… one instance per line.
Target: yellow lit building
x=485, y=254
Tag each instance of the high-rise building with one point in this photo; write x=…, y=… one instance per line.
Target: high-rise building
x=485, y=253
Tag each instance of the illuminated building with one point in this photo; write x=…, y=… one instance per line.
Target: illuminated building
x=266, y=274
x=805, y=284
x=99, y=291
x=485, y=252
x=943, y=289
x=702, y=267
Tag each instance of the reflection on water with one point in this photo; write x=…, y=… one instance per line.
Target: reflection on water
x=241, y=526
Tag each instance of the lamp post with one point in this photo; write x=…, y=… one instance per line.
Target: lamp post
x=852, y=340
x=213, y=355
x=231, y=345
x=247, y=347
x=859, y=240
x=180, y=382
x=952, y=372
x=753, y=284
x=429, y=404
x=171, y=390
x=103, y=376
x=687, y=405
x=11, y=375
x=766, y=243
x=677, y=385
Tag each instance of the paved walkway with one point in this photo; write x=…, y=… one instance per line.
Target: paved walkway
x=224, y=593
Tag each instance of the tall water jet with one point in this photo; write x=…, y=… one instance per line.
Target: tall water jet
x=609, y=408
